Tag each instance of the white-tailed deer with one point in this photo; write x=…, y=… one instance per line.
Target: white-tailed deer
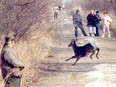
x=82, y=51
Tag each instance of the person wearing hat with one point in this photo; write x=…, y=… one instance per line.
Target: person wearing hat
x=98, y=19
x=11, y=64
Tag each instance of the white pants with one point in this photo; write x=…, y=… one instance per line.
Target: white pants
x=106, y=27
x=92, y=30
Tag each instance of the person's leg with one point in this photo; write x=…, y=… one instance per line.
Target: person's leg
x=97, y=29
x=104, y=30
x=13, y=82
x=82, y=29
x=90, y=31
x=94, y=31
x=56, y=15
x=108, y=29
x=76, y=32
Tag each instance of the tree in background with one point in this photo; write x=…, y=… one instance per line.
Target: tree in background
x=19, y=15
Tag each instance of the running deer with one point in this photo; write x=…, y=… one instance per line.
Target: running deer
x=82, y=51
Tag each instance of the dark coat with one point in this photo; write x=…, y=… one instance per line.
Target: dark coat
x=91, y=20
x=98, y=19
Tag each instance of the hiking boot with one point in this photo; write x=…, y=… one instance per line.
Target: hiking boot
x=90, y=34
x=95, y=35
x=85, y=35
x=103, y=36
x=109, y=36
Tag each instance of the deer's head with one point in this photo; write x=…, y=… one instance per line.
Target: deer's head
x=72, y=43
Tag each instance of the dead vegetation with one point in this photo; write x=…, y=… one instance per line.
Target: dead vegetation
x=31, y=23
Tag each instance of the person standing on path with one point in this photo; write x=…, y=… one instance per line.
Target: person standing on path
x=106, y=24
x=91, y=21
x=77, y=21
x=11, y=64
x=97, y=23
x=56, y=10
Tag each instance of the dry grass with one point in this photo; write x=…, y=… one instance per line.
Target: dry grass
x=34, y=53
x=30, y=20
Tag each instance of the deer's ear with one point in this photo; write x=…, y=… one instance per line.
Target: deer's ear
x=74, y=39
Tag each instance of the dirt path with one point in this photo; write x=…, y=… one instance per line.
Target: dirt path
x=87, y=72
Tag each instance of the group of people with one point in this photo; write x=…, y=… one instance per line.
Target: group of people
x=58, y=8
x=93, y=22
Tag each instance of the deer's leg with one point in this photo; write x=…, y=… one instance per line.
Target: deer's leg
x=76, y=61
x=70, y=58
x=97, y=53
x=92, y=54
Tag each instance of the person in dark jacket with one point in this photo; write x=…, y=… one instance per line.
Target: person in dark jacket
x=97, y=23
x=77, y=21
x=91, y=21
x=11, y=64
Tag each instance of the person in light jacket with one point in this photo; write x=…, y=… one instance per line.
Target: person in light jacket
x=11, y=64
x=106, y=24
x=56, y=11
